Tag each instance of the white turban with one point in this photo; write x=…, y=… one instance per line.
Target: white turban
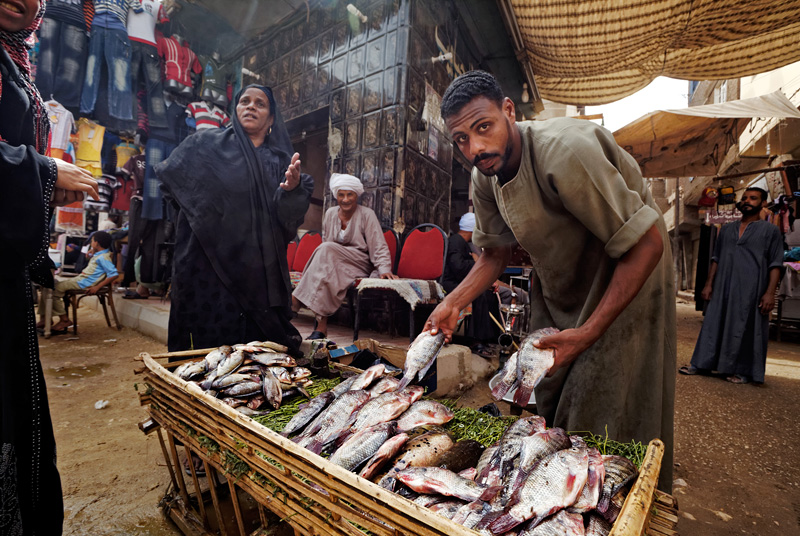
x=467, y=222
x=341, y=181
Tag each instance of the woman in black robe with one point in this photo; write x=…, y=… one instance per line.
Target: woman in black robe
x=240, y=198
x=30, y=487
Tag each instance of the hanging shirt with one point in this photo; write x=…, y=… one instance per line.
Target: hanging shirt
x=113, y=14
x=207, y=115
x=142, y=25
x=90, y=140
x=134, y=170
x=69, y=11
x=179, y=61
x=125, y=151
x=61, y=125
x=215, y=76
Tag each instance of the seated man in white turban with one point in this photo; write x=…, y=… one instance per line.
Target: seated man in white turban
x=352, y=247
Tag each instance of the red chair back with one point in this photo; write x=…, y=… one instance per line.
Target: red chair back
x=310, y=241
x=291, y=249
x=423, y=253
x=392, y=240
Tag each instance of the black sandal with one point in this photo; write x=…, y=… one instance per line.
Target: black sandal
x=689, y=370
x=316, y=335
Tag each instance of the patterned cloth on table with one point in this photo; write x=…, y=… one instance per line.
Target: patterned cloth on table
x=414, y=291
x=294, y=277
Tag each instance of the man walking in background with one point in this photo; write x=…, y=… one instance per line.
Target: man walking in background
x=741, y=286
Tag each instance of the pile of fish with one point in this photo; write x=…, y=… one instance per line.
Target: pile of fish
x=248, y=377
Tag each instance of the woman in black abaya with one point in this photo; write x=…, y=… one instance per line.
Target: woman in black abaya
x=240, y=197
x=30, y=488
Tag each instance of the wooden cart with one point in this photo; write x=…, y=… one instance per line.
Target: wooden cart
x=256, y=476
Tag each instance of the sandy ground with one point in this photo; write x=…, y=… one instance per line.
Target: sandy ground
x=736, y=445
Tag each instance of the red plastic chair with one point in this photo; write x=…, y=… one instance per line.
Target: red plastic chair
x=393, y=241
x=423, y=256
x=308, y=243
x=291, y=250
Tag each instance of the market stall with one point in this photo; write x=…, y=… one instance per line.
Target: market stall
x=257, y=477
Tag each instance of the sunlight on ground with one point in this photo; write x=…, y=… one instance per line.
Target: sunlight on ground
x=783, y=368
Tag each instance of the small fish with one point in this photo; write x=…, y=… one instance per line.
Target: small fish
x=423, y=413
x=271, y=359
x=420, y=356
x=532, y=365
x=271, y=389
x=365, y=379
x=590, y=495
x=560, y=524
x=231, y=379
x=384, y=385
x=386, y=407
x=281, y=373
x=508, y=379
x=244, y=410
x=597, y=526
x=422, y=451
x=234, y=402
x=311, y=410
x=386, y=452
x=298, y=373
x=214, y=357
x=431, y=480
x=229, y=364
x=362, y=445
x=256, y=402
x=619, y=472
x=555, y=483
x=447, y=508
x=334, y=421
x=188, y=371
x=245, y=388
x=269, y=345
x=461, y=456
x=538, y=446
x=255, y=369
x=343, y=386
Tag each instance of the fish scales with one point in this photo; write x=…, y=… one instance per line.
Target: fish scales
x=532, y=365
x=511, y=441
x=447, y=508
x=444, y=482
x=366, y=378
x=215, y=356
x=562, y=523
x=384, y=385
x=508, y=378
x=271, y=389
x=538, y=446
x=422, y=451
x=420, y=356
x=343, y=386
x=336, y=419
x=619, y=471
x=590, y=494
x=423, y=413
x=553, y=484
x=362, y=445
x=597, y=526
x=386, y=407
x=387, y=451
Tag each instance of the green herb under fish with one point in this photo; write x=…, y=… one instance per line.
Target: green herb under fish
x=277, y=419
x=470, y=423
x=634, y=450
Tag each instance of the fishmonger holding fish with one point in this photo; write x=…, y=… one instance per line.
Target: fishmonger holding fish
x=567, y=193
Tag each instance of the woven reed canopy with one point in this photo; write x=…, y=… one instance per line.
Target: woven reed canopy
x=693, y=141
x=598, y=51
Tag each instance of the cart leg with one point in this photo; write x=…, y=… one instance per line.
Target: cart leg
x=197, y=491
x=236, y=508
x=167, y=459
x=211, y=474
x=181, y=483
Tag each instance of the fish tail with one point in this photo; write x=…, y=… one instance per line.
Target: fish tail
x=315, y=446
x=602, y=504
x=500, y=390
x=405, y=381
x=522, y=395
x=487, y=520
x=503, y=523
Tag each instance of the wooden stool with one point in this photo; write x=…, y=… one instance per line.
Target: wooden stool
x=75, y=296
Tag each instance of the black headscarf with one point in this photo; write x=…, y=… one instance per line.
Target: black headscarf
x=219, y=180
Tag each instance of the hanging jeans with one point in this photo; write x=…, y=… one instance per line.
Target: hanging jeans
x=62, y=62
x=115, y=47
x=145, y=60
x=152, y=202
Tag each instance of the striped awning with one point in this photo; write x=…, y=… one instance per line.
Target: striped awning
x=597, y=51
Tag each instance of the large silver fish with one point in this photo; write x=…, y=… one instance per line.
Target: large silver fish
x=537, y=447
x=362, y=445
x=271, y=388
x=511, y=441
x=423, y=413
x=334, y=421
x=216, y=355
x=272, y=359
x=422, y=451
x=386, y=452
x=561, y=524
x=508, y=379
x=384, y=385
x=590, y=495
x=532, y=365
x=430, y=480
x=555, y=483
x=343, y=386
x=232, y=379
x=268, y=345
x=420, y=356
x=311, y=410
x=366, y=378
x=386, y=407
x=619, y=472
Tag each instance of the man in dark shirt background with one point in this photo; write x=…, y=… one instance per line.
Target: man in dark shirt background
x=481, y=329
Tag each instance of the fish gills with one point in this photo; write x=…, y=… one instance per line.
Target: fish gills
x=384, y=385
x=539, y=446
x=386, y=407
x=422, y=451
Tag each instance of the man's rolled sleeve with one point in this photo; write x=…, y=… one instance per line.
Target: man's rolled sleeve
x=491, y=230
x=631, y=232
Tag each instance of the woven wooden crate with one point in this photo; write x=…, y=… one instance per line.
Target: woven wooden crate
x=313, y=495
